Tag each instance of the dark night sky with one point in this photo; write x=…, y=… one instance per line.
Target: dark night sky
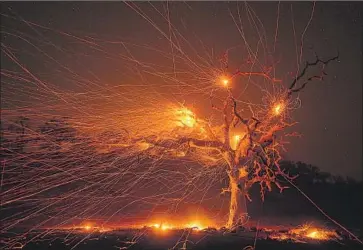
x=331, y=113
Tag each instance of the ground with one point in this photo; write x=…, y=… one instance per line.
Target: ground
x=167, y=240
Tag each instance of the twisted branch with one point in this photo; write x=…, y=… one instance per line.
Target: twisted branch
x=305, y=69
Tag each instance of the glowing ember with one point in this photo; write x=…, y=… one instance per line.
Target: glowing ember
x=313, y=235
x=87, y=227
x=195, y=226
x=243, y=172
x=234, y=141
x=278, y=109
x=225, y=81
x=186, y=118
x=307, y=232
x=162, y=226
x=165, y=227
x=320, y=234
x=143, y=145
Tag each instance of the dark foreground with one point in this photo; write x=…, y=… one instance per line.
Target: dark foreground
x=177, y=239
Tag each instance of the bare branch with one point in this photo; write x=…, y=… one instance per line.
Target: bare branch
x=304, y=71
x=244, y=121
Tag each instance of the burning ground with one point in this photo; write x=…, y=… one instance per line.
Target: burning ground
x=303, y=237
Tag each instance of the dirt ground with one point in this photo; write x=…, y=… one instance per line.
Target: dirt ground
x=177, y=240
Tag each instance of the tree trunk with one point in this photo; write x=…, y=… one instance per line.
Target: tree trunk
x=237, y=206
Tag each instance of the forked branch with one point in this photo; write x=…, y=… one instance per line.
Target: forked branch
x=293, y=89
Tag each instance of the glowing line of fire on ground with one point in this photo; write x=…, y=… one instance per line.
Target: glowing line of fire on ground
x=306, y=233
x=165, y=226
x=301, y=234
x=89, y=227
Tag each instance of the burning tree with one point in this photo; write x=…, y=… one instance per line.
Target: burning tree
x=128, y=136
x=245, y=141
x=252, y=154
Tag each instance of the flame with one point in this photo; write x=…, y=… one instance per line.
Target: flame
x=319, y=234
x=162, y=226
x=224, y=81
x=143, y=145
x=91, y=227
x=234, y=141
x=243, y=172
x=165, y=227
x=87, y=227
x=195, y=226
x=277, y=109
x=307, y=232
x=313, y=234
x=186, y=118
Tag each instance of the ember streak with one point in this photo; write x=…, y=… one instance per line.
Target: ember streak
x=162, y=125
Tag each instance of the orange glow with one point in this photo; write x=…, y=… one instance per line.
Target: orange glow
x=307, y=232
x=180, y=154
x=90, y=227
x=225, y=81
x=162, y=226
x=195, y=226
x=319, y=234
x=186, y=118
x=242, y=172
x=165, y=227
x=313, y=234
x=189, y=223
x=143, y=145
x=87, y=227
x=235, y=140
x=277, y=109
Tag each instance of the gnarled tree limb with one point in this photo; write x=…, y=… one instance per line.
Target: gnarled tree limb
x=292, y=88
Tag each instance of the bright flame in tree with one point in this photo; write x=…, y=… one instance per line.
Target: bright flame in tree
x=278, y=108
x=225, y=81
x=235, y=141
x=186, y=118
